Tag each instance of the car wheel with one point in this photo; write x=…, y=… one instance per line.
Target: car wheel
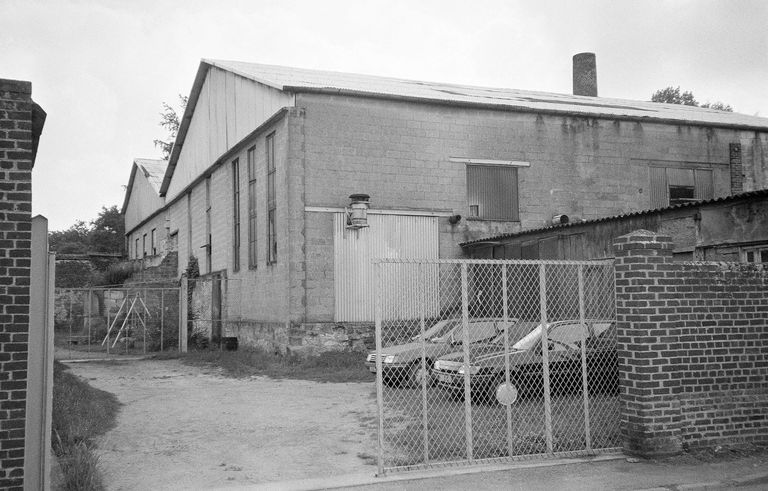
x=417, y=374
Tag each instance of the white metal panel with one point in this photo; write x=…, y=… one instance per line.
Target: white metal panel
x=228, y=109
x=388, y=236
x=143, y=202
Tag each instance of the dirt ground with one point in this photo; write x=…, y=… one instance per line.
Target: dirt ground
x=183, y=427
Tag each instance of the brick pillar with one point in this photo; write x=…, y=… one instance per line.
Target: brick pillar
x=737, y=171
x=16, y=158
x=646, y=328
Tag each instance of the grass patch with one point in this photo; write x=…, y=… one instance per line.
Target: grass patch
x=330, y=366
x=80, y=413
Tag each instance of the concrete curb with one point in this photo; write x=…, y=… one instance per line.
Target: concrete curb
x=352, y=480
x=88, y=360
x=749, y=479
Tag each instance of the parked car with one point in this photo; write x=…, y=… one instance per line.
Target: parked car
x=487, y=370
x=401, y=364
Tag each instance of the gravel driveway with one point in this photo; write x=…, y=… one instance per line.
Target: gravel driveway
x=183, y=427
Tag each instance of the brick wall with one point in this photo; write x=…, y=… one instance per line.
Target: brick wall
x=16, y=160
x=693, y=349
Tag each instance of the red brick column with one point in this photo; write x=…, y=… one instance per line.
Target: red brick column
x=16, y=157
x=647, y=333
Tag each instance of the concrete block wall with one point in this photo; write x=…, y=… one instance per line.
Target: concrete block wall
x=584, y=167
x=16, y=162
x=693, y=349
x=398, y=152
x=261, y=292
x=159, y=223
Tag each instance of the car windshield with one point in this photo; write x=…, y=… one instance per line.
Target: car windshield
x=529, y=340
x=438, y=330
x=567, y=333
x=516, y=330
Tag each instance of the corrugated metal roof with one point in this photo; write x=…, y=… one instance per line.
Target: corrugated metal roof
x=762, y=193
x=154, y=170
x=299, y=79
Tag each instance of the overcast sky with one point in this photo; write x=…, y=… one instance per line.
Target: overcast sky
x=102, y=69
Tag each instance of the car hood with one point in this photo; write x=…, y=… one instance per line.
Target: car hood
x=490, y=358
x=480, y=353
x=414, y=349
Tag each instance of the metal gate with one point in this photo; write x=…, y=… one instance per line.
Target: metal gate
x=100, y=321
x=482, y=361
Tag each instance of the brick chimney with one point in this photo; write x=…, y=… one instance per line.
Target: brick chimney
x=585, y=74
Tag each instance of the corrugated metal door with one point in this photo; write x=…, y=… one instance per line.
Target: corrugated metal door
x=705, y=188
x=388, y=236
x=658, y=188
x=492, y=192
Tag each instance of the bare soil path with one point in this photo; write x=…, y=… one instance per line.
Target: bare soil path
x=183, y=427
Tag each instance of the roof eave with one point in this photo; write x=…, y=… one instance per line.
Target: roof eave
x=519, y=108
x=249, y=76
x=704, y=202
x=129, y=188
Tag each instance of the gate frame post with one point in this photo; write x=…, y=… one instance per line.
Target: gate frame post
x=584, y=381
x=545, y=358
x=183, y=305
x=421, y=285
x=379, y=376
x=507, y=326
x=467, y=389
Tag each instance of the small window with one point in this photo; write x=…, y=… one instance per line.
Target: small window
x=208, y=239
x=676, y=185
x=271, y=201
x=492, y=192
x=755, y=255
x=136, y=249
x=152, y=243
x=679, y=195
x=144, y=246
x=236, y=215
x=252, y=208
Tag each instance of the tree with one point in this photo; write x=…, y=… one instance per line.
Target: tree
x=108, y=231
x=106, y=234
x=673, y=95
x=170, y=120
x=73, y=240
x=719, y=106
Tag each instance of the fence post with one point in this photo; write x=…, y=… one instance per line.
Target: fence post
x=183, y=305
x=379, y=376
x=425, y=420
x=71, y=307
x=545, y=358
x=505, y=307
x=109, y=319
x=90, y=316
x=585, y=384
x=467, y=389
x=162, y=316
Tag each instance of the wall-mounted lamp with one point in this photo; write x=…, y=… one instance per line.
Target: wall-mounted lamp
x=454, y=219
x=357, y=213
x=560, y=219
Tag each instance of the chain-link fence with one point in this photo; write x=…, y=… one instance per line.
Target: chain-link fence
x=97, y=322
x=214, y=304
x=461, y=373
